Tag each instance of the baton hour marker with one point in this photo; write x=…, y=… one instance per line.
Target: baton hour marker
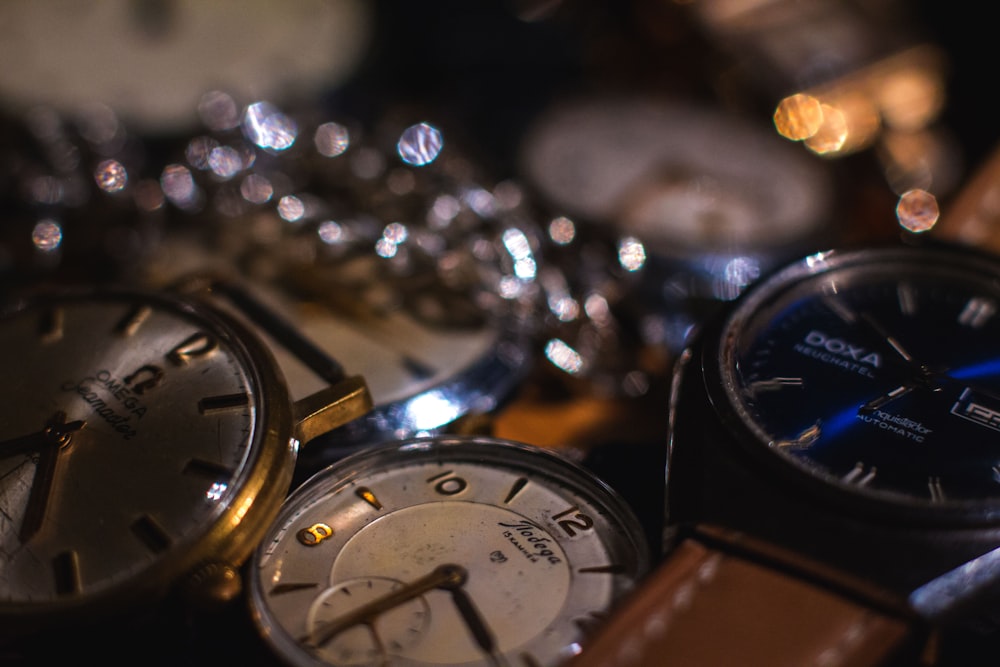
x=50, y=328
x=281, y=589
x=151, y=533
x=860, y=475
x=222, y=403
x=369, y=497
x=935, y=489
x=907, y=299
x=208, y=469
x=66, y=568
x=612, y=568
x=515, y=489
x=838, y=308
x=133, y=319
x=976, y=312
x=773, y=384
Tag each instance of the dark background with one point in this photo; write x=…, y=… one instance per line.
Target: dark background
x=475, y=67
x=480, y=65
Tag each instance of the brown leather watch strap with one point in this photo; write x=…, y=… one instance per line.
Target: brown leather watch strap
x=706, y=608
x=973, y=216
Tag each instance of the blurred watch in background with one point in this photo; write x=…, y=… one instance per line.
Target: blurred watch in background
x=703, y=200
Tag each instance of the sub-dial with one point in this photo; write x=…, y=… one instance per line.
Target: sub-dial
x=373, y=640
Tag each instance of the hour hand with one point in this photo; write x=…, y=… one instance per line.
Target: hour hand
x=24, y=443
x=56, y=429
x=54, y=438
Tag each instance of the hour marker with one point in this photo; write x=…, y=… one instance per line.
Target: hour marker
x=907, y=299
x=151, y=533
x=588, y=624
x=281, y=589
x=611, y=568
x=208, y=469
x=519, y=484
x=871, y=406
x=773, y=384
x=860, y=475
x=128, y=325
x=66, y=568
x=312, y=535
x=529, y=660
x=222, y=403
x=50, y=328
x=838, y=308
x=803, y=439
x=198, y=344
x=366, y=495
x=976, y=312
x=996, y=474
x=936, y=490
x=417, y=369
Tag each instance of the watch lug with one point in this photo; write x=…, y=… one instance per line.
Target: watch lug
x=331, y=408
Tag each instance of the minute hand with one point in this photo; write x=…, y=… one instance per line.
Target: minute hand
x=443, y=576
x=889, y=338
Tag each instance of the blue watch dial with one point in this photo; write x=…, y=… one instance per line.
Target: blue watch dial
x=877, y=370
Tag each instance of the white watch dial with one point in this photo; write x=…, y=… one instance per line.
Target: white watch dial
x=681, y=177
x=152, y=60
x=463, y=551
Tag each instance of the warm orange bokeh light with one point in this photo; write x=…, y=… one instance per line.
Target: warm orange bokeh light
x=917, y=211
x=798, y=117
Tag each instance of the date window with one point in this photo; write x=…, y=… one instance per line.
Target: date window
x=983, y=410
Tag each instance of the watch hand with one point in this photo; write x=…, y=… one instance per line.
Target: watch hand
x=24, y=443
x=442, y=576
x=926, y=376
x=54, y=428
x=379, y=646
x=476, y=624
x=56, y=437
x=41, y=489
x=890, y=339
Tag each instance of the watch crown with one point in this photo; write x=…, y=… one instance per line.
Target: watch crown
x=212, y=585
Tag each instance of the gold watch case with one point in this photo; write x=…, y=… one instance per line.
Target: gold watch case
x=145, y=447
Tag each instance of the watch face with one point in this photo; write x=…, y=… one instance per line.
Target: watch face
x=152, y=61
x=130, y=426
x=682, y=178
x=876, y=371
x=444, y=551
x=404, y=340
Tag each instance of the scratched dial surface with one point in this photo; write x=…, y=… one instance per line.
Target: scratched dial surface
x=878, y=371
x=357, y=569
x=125, y=426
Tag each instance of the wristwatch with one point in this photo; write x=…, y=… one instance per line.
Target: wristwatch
x=429, y=353
x=152, y=62
x=147, y=441
x=832, y=486
x=444, y=550
x=714, y=200
x=970, y=218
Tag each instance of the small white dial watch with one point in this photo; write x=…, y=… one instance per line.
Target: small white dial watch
x=442, y=551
